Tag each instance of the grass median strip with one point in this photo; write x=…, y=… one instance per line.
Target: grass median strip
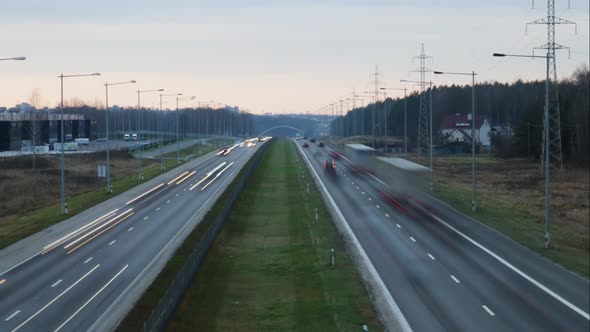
x=269, y=269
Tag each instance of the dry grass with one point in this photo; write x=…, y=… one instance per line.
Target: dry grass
x=23, y=189
x=519, y=181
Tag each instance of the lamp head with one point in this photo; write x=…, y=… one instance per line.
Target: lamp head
x=438, y=72
x=95, y=74
x=132, y=81
x=499, y=54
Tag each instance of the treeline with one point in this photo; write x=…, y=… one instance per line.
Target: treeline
x=519, y=105
x=190, y=121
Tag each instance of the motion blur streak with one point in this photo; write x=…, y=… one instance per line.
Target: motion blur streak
x=216, y=176
x=104, y=230
x=176, y=178
x=96, y=229
x=186, y=177
x=145, y=193
x=208, y=175
x=57, y=243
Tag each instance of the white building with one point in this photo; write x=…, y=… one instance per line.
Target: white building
x=457, y=128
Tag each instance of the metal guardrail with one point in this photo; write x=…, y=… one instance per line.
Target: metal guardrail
x=165, y=308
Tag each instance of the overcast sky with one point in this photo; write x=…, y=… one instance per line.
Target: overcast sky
x=280, y=56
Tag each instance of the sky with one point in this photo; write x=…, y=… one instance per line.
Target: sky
x=280, y=56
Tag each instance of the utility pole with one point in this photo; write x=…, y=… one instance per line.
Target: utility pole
x=423, y=139
x=375, y=103
x=553, y=139
x=551, y=154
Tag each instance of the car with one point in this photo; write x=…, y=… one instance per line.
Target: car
x=321, y=144
x=305, y=137
x=305, y=145
x=312, y=140
x=126, y=137
x=330, y=167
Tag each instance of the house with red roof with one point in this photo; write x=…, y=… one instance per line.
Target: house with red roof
x=457, y=128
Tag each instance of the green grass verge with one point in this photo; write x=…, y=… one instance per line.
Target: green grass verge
x=269, y=270
x=37, y=220
x=520, y=226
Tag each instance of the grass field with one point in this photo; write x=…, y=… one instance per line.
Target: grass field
x=269, y=268
x=30, y=199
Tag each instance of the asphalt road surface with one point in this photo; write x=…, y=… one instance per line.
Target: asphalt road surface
x=70, y=285
x=447, y=272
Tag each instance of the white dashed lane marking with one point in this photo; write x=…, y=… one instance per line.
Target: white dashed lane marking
x=488, y=310
x=88, y=260
x=378, y=206
x=110, y=244
x=413, y=240
x=146, y=218
x=431, y=257
x=398, y=226
x=56, y=283
x=455, y=279
x=158, y=209
x=168, y=201
x=387, y=215
x=12, y=316
x=130, y=229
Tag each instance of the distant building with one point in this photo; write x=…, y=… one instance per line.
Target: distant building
x=457, y=128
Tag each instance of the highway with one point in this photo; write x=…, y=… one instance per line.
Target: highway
x=447, y=272
x=83, y=280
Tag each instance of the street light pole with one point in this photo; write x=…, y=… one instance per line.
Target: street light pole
x=547, y=158
x=17, y=58
x=139, y=92
x=177, y=125
x=159, y=139
x=472, y=74
x=62, y=138
x=106, y=85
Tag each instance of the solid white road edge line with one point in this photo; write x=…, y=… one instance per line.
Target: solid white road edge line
x=405, y=326
x=55, y=299
x=514, y=268
x=94, y=326
x=90, y=299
